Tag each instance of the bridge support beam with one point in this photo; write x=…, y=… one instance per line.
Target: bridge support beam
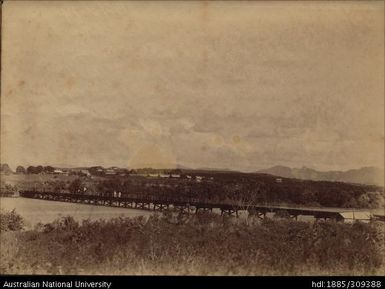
x=229, y=212
x=159, y=206
x=203, y=209
x=255, y=213
x=182, y=209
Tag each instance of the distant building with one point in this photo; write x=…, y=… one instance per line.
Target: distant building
x=110, y=172
x=121, y=172
x=175, y=175
x=141, y=175
x=58, y=171
x=198, y=178
x=164, y=175
x=278, y=180
x=351, y=216
x=86, y=173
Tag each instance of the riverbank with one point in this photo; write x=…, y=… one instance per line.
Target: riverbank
x=203, y=244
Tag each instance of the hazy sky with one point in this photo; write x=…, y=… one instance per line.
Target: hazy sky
x=221, y=85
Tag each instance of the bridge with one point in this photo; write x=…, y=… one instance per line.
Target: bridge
x=195, y=206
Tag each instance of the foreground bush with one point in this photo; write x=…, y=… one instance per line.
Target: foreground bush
x=196, y=245
x=10, y=221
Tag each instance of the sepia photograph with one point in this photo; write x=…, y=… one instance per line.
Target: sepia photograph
x=191, y=138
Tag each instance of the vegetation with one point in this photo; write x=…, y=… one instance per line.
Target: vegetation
x=249, y=188
x=7, y=190
x=75, y=186
x=204, y=244
x=40, y=169
x=5, y=169
x=10, y=221
x=20, y=170
x=228, y=187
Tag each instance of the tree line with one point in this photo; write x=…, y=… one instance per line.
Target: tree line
x=245, y=190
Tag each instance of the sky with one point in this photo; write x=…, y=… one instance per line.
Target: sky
x=236, y=85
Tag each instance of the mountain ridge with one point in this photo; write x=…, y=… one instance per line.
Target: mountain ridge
x=363, y=175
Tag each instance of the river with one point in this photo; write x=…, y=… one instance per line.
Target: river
x=35, y=211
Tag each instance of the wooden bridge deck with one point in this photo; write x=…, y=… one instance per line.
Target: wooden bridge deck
x=191, y=206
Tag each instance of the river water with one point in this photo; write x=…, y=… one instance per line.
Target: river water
x=35, y=211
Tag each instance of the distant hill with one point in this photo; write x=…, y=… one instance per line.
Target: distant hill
x=364, y=175
x=207, y=169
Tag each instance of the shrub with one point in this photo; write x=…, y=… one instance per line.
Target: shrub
x=67, y=223
x=203, y=244
x=10, y=221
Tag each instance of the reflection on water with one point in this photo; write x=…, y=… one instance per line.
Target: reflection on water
x=35, y=211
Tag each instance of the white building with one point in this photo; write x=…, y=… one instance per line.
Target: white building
x=86, y=173
x=351, y=216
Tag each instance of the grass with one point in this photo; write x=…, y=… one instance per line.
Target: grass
x=204, y=244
